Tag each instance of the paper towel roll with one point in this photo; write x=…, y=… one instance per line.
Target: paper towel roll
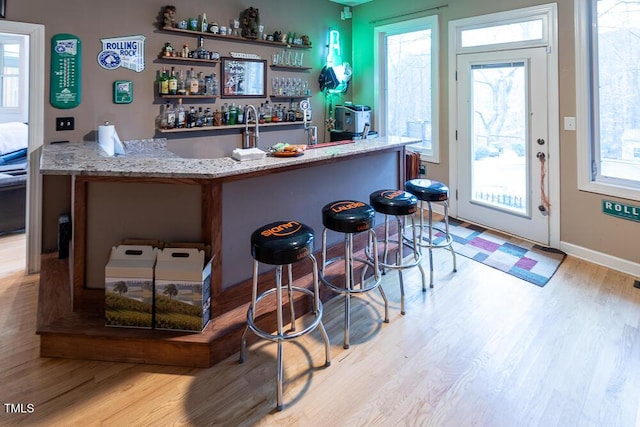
x=108, y=140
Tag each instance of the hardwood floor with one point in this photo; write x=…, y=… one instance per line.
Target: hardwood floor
x=481, y=348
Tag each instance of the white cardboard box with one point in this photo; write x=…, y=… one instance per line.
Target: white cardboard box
x=129, y=286
x=182, y=289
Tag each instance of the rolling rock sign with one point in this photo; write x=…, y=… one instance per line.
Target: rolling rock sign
x=127, y=52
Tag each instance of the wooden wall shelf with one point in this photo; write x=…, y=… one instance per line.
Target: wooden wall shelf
x=233, y=38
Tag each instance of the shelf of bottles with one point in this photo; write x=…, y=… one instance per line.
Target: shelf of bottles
x=232, y=38
x=224, y=127
x=189, y=119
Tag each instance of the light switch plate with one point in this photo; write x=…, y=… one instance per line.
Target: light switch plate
x=569, y=123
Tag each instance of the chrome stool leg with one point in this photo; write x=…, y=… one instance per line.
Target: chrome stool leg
x=348, y=285
x=280, y=370
x=272, y=249
x=292, y=309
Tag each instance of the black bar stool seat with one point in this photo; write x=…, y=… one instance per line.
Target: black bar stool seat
x=429, y=191
x=283, y=243
x=394, y=202
x=402, y=205
x=351, y=217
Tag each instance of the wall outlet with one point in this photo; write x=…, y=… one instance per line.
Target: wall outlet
x=65, y=123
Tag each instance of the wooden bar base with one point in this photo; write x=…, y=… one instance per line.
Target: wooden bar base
x=81, y=334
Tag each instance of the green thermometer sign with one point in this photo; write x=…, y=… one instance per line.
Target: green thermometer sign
x=66, y=57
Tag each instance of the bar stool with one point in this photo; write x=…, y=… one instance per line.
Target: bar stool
x=351, y=217
x=400, y=204
x=429, y=191
x=283, y=243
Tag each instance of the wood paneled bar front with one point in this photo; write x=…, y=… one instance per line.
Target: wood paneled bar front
x=223, y=201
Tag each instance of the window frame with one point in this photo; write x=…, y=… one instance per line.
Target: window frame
x=586, y=103
x=430, y=22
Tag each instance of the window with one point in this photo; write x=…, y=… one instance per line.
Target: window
x=608, y=66
x=527, y=31
x=13, y=77
x=407, y=56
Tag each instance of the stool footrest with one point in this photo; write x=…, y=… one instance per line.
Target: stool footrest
x=405, y=242
x=362, y=289
x=285, y=336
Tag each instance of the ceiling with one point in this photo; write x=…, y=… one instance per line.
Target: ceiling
x=350, y=2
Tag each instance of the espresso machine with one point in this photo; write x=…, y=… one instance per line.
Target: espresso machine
x=352, y=122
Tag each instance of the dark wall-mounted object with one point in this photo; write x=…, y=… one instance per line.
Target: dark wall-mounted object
x=3, y=7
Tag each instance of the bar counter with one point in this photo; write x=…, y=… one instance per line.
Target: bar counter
x=151, y=158
x=153, y=193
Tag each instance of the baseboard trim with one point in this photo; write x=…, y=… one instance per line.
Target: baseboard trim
x=609, y=261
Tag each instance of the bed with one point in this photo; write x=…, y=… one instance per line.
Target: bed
x=14, y=137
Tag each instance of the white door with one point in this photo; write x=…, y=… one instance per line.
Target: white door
x=502, y=147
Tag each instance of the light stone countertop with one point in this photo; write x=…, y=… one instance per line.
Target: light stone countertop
x=151, y=158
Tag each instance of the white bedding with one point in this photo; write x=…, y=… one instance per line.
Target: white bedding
x=13, y=137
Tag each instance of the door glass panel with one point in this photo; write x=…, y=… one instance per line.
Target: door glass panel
x=498, y=136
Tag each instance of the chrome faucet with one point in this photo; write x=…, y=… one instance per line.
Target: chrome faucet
x=311, y=131
x=256, y=132
x=365, y=131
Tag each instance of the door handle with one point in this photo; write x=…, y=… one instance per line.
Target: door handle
x=540, y=141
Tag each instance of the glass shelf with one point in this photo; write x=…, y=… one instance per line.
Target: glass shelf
x=288, y=68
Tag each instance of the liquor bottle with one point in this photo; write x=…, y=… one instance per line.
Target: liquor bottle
x=208, y=85
x=167, y=50
x=267, y=112
x=216, y=85
x=181, y=115
x=201, y=89
x=161, y=119
x=187, y=83
x=182, y=89
x=200, y=53
x=224, y=110
x=193, y=85
x=240, y=119
x=233, y=114
x=208, y=117
x=163, y=83
x=191, y=117
x=204, y=26
x=171, y=116
x=200, y=118
x=173, y=82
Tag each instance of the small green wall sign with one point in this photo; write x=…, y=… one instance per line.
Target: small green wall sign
x=621, y=210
